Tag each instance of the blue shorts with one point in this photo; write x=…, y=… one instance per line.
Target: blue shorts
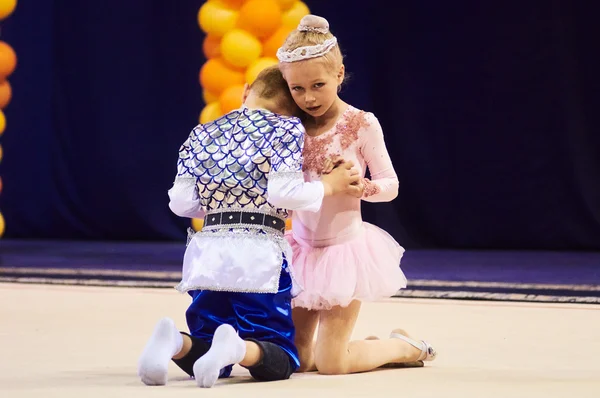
x=261, y=316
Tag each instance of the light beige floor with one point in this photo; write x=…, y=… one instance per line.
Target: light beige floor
x=62, y=341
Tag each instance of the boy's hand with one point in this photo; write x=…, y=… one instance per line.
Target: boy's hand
x=331, y=164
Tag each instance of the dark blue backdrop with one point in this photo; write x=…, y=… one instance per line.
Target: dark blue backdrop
x=489, y=109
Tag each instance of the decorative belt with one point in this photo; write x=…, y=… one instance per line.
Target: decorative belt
x=242, y=217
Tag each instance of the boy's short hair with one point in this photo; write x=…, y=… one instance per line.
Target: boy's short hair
x=270, y=85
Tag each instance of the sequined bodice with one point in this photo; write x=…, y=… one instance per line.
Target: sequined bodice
x=232, y=157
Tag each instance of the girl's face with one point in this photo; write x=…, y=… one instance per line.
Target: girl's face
x=313, y=84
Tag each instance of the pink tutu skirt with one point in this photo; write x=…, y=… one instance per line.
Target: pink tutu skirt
x=366, y=268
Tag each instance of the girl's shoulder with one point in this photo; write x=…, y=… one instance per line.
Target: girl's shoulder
x=354, y=124
x=355, y=120
x=355, y=114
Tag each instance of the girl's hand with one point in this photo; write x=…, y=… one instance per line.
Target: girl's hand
x=357, y=190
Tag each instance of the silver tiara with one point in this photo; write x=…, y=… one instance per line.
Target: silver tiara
x=306, y=52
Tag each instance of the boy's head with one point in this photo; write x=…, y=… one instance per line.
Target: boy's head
x=270, y=91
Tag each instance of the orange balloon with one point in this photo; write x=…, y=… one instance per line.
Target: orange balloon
x=209, y=97
x=5, y=94
x=276, y=40
x=211, y=46
x=286, y=4
x=216, y=75
x=1, y=225
x=231, y=98
x=8, y=60
x=260, y=17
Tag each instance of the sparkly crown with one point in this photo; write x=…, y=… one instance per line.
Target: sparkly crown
x=310, y=23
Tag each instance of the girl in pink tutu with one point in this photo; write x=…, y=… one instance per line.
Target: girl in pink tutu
x=338, y=259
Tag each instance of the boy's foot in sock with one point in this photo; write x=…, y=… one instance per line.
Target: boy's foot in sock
x=227, y=348
x=165, y=342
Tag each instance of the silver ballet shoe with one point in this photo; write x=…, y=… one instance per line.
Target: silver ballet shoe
x=428, y=353
x=396, y=365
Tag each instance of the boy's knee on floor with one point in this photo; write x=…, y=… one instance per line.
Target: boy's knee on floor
x=269, y=375
x=275, y=363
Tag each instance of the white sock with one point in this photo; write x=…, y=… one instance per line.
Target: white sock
x=165, y=342
x=227, y=348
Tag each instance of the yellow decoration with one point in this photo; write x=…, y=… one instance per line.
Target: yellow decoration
x=197, y=224
x=7, y=7
x=215, y=19
x=2, y=122
x=257, y=66
x=291, y=18
x=240, y=48
x=1, y=225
